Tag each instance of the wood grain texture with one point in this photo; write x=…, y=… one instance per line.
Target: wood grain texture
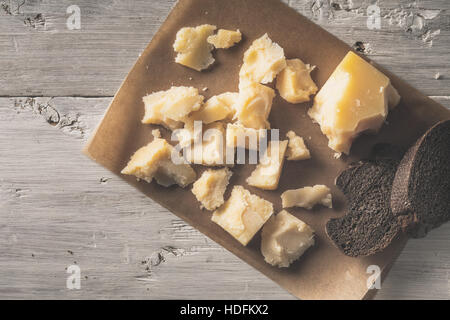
x=57, y=208
x=41, y=57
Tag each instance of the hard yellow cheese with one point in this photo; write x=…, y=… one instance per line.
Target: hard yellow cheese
x=210, y=149
x=307, y=197
x=262, y=62
x=267, y=174
x=171, y=108
x=192, y=46
x=356, y=98
x=243, y=214
x=225, y=39
x=253, y=106
x=297, y=149
x=154, y=161
x=284, y=239
x=210, y=188
x=294, y=83
x=237, y=136
x=217, y=108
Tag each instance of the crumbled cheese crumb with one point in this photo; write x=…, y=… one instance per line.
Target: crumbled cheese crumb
x=225, y=39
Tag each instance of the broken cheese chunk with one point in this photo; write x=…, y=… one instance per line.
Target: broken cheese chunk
x=297, y=149
x=154, y=103
x=243, y=214
x=154, y=161
x=225, y=39
x=237, y=136
x=217, y=108
x=210, y=149
x=307, y=197
x=267, y=174
x=210, y=188
x=294, y=83
x=170, y=108
x=262, y=62
x=192, y=46
x=284, y=239
x=253, y=106
x=356, y=98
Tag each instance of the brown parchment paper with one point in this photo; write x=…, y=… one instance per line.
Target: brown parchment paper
x=323, y=272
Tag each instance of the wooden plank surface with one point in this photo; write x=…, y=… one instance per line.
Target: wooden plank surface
x=44, y=58
x=57, y=208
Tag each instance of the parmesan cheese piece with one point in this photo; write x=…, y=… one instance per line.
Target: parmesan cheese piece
x=210, y=150
x=294, y=83
x=210, y=188
x=356, y=98
x=217, y=108
x=307, y=197
x=192, y=46
x=225, y=39
x=262, y=62
x=170, y=108
x=154, y=161
x=253, y=106
x=284, y=239
x=243, y=214
x=267, y=174
x=297, y=149
x=237, y=136
x=192, y=131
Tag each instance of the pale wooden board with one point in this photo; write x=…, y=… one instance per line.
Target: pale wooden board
x=44, y=58
x=57, y=207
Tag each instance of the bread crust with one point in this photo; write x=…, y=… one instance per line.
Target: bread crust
x=409, y=187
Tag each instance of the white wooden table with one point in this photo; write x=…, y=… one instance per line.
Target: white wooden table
x=58, y=208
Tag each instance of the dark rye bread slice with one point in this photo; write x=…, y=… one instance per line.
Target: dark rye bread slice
x=421, y=190
x=369, y=226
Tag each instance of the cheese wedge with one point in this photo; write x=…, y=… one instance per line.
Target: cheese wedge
x=192, y=46
x=284, y=239
x=356, y=98
x=267, y=174
x=243, y=214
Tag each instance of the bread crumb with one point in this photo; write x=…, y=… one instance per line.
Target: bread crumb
x=337, y=155
x=437, y=76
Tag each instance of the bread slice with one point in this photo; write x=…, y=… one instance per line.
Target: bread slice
x=421, y=189
x=369, y=226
